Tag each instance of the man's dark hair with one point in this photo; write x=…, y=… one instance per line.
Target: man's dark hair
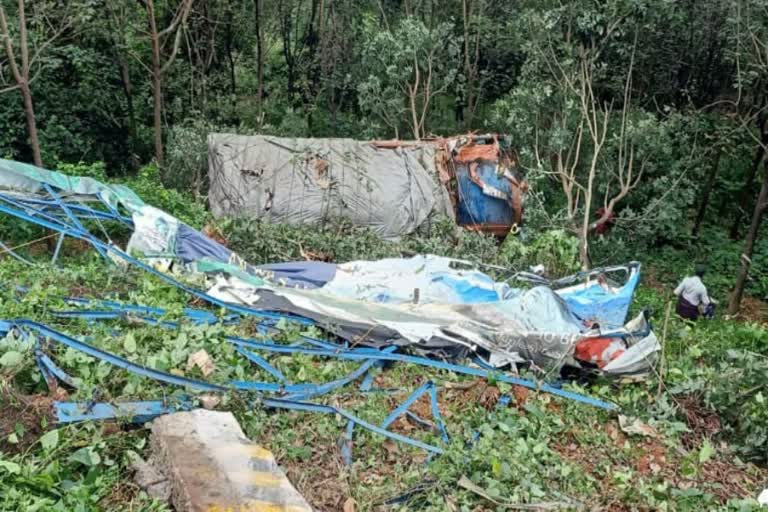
x=700, y=269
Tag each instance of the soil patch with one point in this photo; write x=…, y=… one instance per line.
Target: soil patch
x=26, y=416
x=753, y=310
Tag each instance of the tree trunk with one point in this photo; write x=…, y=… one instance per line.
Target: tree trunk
x=157, y=92
x=749, y=245
x=259, y=62
x=29, y=112
x=230, y=59
x=21, y=76
x=746, y=189
x=470, y=67
x=125, y=77
x=584, y=234
x=414, y=116
x=706, y=193
x=584, y=249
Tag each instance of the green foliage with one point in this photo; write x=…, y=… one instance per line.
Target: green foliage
x=148, y=185
x=262, y=242
x=737, y=391
x=413, y=63
x=557, y=250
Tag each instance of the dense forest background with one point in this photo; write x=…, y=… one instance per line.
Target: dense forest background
x=649, y=114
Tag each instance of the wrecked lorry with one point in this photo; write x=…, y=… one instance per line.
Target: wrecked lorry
x=391, y=187
x=424, y=310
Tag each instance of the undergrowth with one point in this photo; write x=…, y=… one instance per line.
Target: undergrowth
x=539, y=450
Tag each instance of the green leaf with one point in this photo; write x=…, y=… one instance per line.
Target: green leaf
x=50, y=440
x=10, y=467
x=129, y=343
x=86, y=456
x=706, y=452
x=11, y=358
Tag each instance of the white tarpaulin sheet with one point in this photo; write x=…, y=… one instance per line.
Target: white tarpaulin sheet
x=393, y=191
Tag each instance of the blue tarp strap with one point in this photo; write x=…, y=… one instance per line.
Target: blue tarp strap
x=56, y=225
x=262, y=363
x=118, y=361
x=328, y=409
x=347, y=442
x=135, y=412
x=351, y=377
x=436, y=414
x=400, y=409
x=70, y=215
x=364, y=354
x=52, y=369
x=428, y=387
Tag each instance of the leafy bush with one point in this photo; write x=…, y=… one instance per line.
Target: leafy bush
x=148, y=185
x=556, y=250
x=739, y=394
x=262, y=242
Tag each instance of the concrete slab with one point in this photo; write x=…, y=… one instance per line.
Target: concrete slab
x=212, y=467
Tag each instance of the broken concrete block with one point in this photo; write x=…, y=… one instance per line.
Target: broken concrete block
x=212, y=467
x=150, y=480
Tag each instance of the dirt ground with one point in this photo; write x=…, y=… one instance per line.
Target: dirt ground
x=26, y=416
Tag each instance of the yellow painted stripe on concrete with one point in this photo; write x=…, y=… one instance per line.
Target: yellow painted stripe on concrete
x=253, y=451
x=259, y=506
x=258, y=478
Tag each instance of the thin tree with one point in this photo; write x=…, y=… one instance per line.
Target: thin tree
x=579, y=179
x=757, y=59
x=20, y=66
x=159, y=40
x=749, y=243
x=258, y=13
x=471, y=12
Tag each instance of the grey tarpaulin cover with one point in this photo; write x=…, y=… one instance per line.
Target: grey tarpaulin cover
x=391, y=190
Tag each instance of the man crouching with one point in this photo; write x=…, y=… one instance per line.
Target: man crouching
x=692, y=297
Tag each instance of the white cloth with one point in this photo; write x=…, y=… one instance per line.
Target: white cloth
x=693, y=290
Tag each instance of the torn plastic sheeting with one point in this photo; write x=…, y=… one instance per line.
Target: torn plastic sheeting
x=592, y=302
x=302, y=274
x=536, y=325
x=167, y=236
x=134, y=411
x=423, y=279
x=28, y=178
